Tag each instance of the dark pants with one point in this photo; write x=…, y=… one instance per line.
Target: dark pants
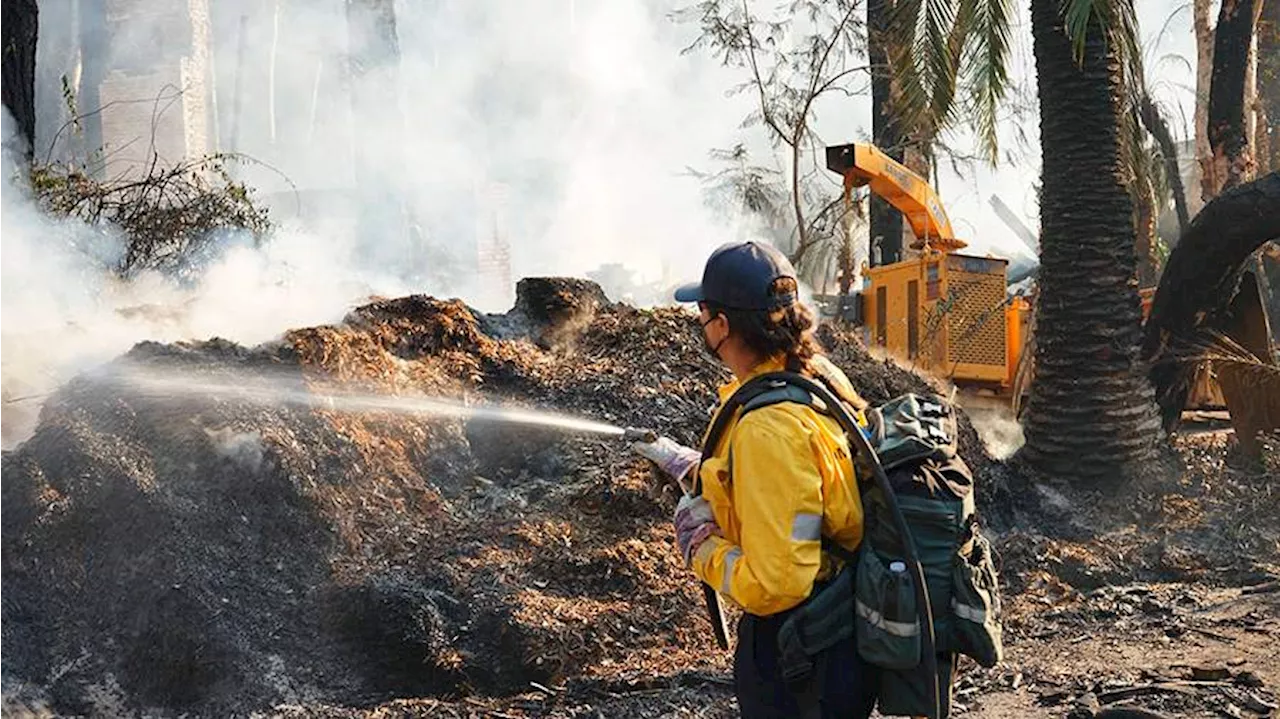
x=846, y=685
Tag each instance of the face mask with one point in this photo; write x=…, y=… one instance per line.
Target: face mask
x=714, y=351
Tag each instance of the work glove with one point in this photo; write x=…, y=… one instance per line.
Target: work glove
x=694, y=523
x=672, y=459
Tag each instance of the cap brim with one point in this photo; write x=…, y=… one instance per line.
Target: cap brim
x=689, y=293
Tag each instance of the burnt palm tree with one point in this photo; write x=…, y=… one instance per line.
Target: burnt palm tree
x=1231, y=161
x=21, y=24
x=1092, y=412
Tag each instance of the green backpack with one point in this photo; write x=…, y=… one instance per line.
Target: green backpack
x=919, y=521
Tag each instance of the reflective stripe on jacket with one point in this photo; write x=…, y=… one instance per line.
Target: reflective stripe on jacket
x=791, y=482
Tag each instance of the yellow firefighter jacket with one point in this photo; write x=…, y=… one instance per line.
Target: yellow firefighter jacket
x=791, y=481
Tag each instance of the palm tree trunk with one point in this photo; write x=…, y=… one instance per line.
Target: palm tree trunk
x=20, y=28
x=1268, y=32
x=1204, y=78
x=886, y=222
x=1092, y=412
x=1231, y=162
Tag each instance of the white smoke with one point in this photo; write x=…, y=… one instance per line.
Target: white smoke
x=996, y=426
x=583, y=115
x=61, y=312
x=562, y=126
x=245, y=449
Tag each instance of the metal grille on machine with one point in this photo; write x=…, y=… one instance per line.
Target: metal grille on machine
x=976, y=321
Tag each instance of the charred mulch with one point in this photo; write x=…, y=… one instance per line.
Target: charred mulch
x=195, y=552
x=1161, y=593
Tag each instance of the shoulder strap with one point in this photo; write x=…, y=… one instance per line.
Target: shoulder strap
x=759, y=392
x=775, y=394
x=755, y=393
x=764, y=391
x=832, y=547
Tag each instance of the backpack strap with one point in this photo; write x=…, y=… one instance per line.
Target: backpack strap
x=776, y=393
x=753, y=394
x=757, y=393
x=762, y=391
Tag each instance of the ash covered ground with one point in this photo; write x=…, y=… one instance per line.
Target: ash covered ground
x=205, y=555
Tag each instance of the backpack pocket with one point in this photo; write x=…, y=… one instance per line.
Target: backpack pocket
x=885, y=605
x=824, y=620
x=975, y=604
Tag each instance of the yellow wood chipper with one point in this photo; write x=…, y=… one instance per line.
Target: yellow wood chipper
x=944, y=311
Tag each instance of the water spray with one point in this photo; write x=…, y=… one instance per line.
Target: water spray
x=258, y=390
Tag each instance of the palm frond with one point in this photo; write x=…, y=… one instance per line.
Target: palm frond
x=1124, y=35
x=910, y=103
x=987, y=59
x=949, y=58
x=1118, y=22
x=1133, y=152
x=1076, y=17
x=960, y=44
x=1208, y=345
x=1168, y=21
x=1173, y=58
x=963, y=26
x=921, y=59
x=937, y=22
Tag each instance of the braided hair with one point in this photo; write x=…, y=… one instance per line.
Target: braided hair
x=786, y=331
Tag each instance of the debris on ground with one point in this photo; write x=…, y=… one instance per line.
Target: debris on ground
x=191, y=552
x=184, y=551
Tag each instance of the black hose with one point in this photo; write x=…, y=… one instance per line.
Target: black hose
x=923, y=609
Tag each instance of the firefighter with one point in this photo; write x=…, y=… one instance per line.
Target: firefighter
x=780, y=481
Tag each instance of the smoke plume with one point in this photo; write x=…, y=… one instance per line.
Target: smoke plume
x=563, y=129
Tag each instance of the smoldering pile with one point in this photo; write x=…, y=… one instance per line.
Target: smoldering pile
x=199, y=554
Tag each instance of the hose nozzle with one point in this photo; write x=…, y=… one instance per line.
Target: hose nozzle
x=637, y=434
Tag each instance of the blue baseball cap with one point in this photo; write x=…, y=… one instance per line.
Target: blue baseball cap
x=741, y=276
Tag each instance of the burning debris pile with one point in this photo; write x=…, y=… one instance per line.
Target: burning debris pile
x=196, y=552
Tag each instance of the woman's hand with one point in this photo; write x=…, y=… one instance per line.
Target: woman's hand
x=694, y=523
x=673, y=459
